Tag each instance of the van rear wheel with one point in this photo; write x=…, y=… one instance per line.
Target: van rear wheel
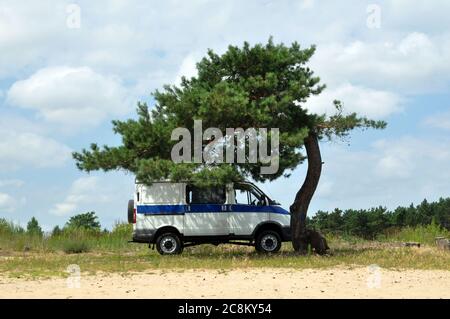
x=268, y=241
x=169, y=244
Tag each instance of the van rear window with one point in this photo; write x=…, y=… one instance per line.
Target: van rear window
x=209, y=195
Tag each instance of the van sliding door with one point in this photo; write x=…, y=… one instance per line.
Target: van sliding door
x=206, y=212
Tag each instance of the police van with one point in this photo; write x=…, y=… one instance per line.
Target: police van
x=174, y=215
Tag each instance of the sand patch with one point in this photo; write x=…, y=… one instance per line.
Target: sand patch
x=240, y=283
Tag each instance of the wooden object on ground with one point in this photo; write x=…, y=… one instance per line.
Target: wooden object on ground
x=411, y=244
x=443, y=243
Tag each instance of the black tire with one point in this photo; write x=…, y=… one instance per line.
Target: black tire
x=268, y=241
x=131, y=211
x=169, y=244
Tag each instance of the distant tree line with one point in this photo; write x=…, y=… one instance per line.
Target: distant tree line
x=368, y=223
x=86, y=221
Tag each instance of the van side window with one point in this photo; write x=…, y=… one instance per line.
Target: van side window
x=207, y=195
x=241, y=196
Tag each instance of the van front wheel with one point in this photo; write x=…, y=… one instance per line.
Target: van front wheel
x=268, y=241
x=169, y=244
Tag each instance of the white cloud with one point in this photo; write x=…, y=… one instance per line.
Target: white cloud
x=417, y=14
x=306, y=4
x=84, y=191
x=28, y=149
x=188, y=68
x=440, y=121
x=416, y=63
x=395, y=158
x=16, y=183
x=364, y=101
x=7, y=203
x=10, y=122
x=32, y=34
x=71, y=97
x=64, y=208
x=116, y=39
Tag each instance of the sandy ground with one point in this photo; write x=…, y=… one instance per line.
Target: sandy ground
x=240, y=283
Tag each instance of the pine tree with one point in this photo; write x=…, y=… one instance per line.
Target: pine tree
x=86, y=221
x=33, y=227
x=261, y=86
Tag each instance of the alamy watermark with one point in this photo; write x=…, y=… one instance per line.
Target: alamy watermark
x=73, y=20
x=374, y=277
x=74, y=279
x=251, y=146
x=374, y=16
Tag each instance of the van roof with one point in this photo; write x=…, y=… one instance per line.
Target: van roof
x=169, y=181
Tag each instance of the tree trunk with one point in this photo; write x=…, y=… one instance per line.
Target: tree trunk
x=299, y=209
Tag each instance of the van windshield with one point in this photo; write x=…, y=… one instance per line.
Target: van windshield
x=256, y=193
x=246, y=194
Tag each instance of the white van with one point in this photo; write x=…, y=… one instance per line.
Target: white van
x=176, y=215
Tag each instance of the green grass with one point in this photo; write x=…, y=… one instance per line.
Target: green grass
x=22, y=255
x=421, y=234
x=117, y=240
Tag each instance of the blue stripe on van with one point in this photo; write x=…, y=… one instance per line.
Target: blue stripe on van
x=160, y=209
x=206, y=208
x=258, y=209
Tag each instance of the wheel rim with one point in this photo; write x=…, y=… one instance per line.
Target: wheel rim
x=269, y=242
x=168, y=245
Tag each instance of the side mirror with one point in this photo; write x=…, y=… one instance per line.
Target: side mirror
x=274, y=202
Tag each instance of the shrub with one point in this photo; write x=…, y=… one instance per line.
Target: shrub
x=86, y=221
x=75, y=247
x=122, y=230
x=421, y=234
x=9, y=228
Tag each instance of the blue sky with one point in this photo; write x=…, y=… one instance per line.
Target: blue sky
x=68, y=68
